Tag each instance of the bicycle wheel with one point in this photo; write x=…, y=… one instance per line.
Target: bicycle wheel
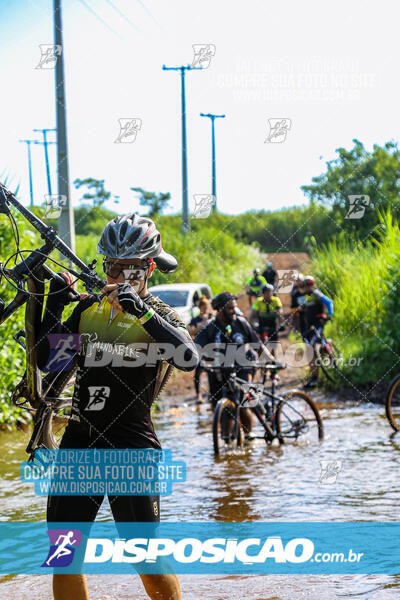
x=393, y=403
x=60, y=386
x=298, y=418
x=328, y=358
x=224, y=439
x=54, y=426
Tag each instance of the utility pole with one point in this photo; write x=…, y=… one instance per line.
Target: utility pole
x=213, y=168
x=185, y=204
x=28, y=145
x=46, y=154
x=66, y=224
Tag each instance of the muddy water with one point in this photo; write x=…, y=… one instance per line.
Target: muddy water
x=257, y=484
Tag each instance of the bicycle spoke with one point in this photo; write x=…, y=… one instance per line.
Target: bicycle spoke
x=298, y=420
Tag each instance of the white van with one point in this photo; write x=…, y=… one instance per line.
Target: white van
x=182, y=297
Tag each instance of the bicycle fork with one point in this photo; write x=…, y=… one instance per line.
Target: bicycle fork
x=261, y=415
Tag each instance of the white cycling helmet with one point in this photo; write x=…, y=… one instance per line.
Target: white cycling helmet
x=133, y=236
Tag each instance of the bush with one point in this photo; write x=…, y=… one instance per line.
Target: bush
x=364, y=280
x=12, y=356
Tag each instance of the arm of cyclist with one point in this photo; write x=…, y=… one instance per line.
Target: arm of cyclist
x=328, y=302
x=51, y=323
x=124, y=297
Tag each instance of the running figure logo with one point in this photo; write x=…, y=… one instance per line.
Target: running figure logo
x=98, y=397
x=63, y=347
x=329, y=470
x=49, y=54
x=61, y=553
x=203, y=205
x=203, y=54
x=128, y=129
x=357, y=207
x=286, y=279
x=278, y=129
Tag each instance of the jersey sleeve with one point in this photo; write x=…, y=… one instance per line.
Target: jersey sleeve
x=250, y=332
x=166, y=327
x=328, y=302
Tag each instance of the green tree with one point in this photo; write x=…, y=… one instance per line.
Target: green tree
x=156, y=203
x=98, y=195
x=359, y=172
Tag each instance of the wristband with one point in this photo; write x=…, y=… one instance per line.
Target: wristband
x=147, y=316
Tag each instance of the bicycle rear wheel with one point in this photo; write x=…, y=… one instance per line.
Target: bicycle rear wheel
x=392, y=404
x=54, y=427
x=298, y=418
x=223, y=437
x=328, y=358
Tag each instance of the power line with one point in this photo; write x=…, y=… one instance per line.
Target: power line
x=99, y=18
x=149, y=13
x=123, y=15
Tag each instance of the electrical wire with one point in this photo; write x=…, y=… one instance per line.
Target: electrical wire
x=123, y=15
x=99, y=18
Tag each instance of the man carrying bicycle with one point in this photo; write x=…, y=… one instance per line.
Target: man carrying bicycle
x=127, y=315
x=254, y=285
x=266, y=315
x=313, y=309
x=226, y=337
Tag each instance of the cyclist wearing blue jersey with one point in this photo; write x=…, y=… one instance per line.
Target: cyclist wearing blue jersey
x=312, y=308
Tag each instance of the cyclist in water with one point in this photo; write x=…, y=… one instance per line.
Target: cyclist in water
x=312, y=308
x=266, y=315
x=127, y=315
x=231, y=333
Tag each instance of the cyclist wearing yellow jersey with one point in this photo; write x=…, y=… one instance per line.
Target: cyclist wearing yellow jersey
x=254, y=285
x=266, y=313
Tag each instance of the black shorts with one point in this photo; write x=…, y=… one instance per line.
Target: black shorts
x=85, y=508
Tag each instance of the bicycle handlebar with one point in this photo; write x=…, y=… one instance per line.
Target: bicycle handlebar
x=37, y=258
x=263, y=366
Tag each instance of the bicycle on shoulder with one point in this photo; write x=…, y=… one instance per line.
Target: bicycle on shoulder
x=289, y=417
x=47, y=397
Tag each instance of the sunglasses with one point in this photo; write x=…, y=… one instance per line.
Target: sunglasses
x=131, y=272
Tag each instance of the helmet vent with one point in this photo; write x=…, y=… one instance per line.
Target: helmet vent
x=134, y=236
x=123, y=230
x=112, y=237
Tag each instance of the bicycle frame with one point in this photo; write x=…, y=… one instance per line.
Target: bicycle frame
x=263, y=414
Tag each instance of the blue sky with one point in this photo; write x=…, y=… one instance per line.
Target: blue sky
x=331, y=68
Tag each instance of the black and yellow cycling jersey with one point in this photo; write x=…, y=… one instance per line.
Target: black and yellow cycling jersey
x=256, y=284
x=120, y=369
x=267, y=309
